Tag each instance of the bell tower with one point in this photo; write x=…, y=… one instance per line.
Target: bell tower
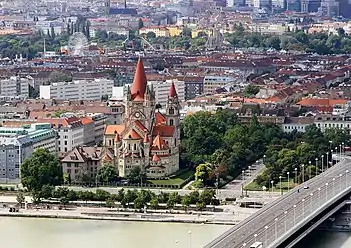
x=172, y=109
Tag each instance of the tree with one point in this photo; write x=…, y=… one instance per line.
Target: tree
x=206, y=196
x=20, y=198
x=251, y=90
x=120, y=195
x=136, y=175
x=57, y=76
x=200, y=206
x=47, y=191
x=42, y=168
x=154, y=203
x=140, y=23
x=107, y=173
x=110, y=203
x=150, y=35
x=203, y=172
x=194, y=196
x=138, y=203
x=186, y=202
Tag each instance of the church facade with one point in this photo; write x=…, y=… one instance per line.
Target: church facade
x=147, y=138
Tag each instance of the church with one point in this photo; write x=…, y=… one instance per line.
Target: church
x=147, y=138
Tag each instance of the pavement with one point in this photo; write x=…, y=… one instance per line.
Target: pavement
x=279, y=217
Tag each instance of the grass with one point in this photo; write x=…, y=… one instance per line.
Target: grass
x=253, y=186
x=176, y=180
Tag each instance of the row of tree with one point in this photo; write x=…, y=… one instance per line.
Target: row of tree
x=222, y=144
x=297, y=149
x=127, y=198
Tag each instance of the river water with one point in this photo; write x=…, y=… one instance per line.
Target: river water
x=56, y=233
x=324, y=239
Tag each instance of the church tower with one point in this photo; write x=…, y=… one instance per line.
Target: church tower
x=172, y=110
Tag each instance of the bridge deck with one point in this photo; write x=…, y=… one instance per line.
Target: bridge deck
x=281, y=218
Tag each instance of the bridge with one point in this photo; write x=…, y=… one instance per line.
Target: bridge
x=288, y=219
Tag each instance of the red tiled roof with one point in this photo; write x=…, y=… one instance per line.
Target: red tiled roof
x=139, y=82
x=160, y=119
x=172, y=91
x=156, y=158
x=167, y=131
x=321, y=102
x=113, y=129
x=159, y=144
x=132, y=134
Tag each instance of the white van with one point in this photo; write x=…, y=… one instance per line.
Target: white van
x=257, y=245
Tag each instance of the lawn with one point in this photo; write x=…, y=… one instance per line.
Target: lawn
x=175, y=180
x=253, y=186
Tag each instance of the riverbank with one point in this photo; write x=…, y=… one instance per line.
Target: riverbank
x=98, y=214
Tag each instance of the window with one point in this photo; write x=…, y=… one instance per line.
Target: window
x=171, y=122
x=134, y=147
x=171, y=111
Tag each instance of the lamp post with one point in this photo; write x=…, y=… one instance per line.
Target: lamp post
x=303, y=208
x=275, y=228
x=316, y=166
x=303, y=173
x=266, y=241
x=340, y=175
x=272, y=182
x=288, y=173
x=346, y=183
x=333, y=185
x=330, y=144
x=327, y=159
x=326, y=191
x=243, y=175
x=322, y=157
x=295, y=171
x=310, y=163
x=285, y=221
x=264, y=158
x=189, y=232
x=255, y=236
x=294, y=214
x=343, y=148
x=280, y=184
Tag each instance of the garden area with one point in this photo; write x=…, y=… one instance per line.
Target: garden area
x=178, y=180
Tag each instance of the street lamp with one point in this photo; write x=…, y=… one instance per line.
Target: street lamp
x=189, y=232
x=303, y=173
x=330, y=144
x=343, y=148
x=303, y=208
x=326, y=191
x=264, y=158
x=294, y=214
x=243, y=173
x=322, y=163
x=272, y=182
x=285, y=221
x=288, y=173
x=310, y=163
x=280, y=184
x=333, y=185
x=255, y=235
x=316, y=166
x=275, y=227
x=327, y=159
x=266, y=241
x=346, y=183
x=295, y=171
x=244, y=244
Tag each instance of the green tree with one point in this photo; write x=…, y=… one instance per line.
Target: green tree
x=140, y=24
x=186, y=202
x=136, y=175
x=57, y=76
x=20, y=198
x=138, y=203
x=206, y=196
x=42, y=168
x=110, y=203
x=107, y=173
x=154, y=203
x=203, y=172
x=251, y=90
x=150, y=35
x=200, y=206
x=46, y=191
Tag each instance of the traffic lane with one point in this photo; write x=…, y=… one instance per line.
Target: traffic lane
x=303, y=207
x=318, y=180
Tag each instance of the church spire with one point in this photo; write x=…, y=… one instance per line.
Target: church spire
x=172, y=91
x=139, y=82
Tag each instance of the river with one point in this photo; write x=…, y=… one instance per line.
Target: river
x=324, y=239
x=56, y=233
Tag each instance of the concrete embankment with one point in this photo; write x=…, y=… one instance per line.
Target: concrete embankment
x=68, y=214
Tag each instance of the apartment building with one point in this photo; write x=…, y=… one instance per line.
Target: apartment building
x=14, y=87
x=78, y=90
x=211, y=83
x=161, y=89
x=18, y=143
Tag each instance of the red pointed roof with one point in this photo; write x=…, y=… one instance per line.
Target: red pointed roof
x=160, y=119
x=146, y=138
x=159, y=143
x=139, y=82
x=132, y=134
x=117, y=138
x=172, y=91
x=155, y=158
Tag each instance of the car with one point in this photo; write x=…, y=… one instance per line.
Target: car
x=306, y=187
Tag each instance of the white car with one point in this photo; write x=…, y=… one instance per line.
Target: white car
x=306, y=187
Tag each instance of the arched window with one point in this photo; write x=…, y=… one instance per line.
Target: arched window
x=128, y=146
x=134, y=147
x=171, y=111
x=171, y=122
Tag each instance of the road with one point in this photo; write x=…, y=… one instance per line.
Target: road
x=275, y=219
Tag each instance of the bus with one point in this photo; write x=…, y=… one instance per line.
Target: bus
x=257, y=245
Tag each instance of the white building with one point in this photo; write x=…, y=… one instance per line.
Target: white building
x=211, y=83
x=78, y=90
x=14, y=86
x=332, y=121
x=161, y=89
x=298, y=124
